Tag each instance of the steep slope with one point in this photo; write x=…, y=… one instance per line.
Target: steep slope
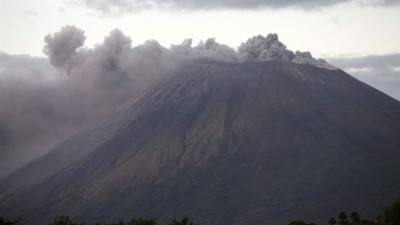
x=248, y=143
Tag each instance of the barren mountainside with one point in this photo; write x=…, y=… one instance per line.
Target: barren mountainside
x=227, y=144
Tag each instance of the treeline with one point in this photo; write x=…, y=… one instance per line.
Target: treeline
x=390, y=216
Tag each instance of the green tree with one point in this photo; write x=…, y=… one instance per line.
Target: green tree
x=332, y=221
x=183, y=221
x=343, y=219
x=4, y=221
x=141, y=221
x=63, y=220
x=390, y=216
x=300, y=222
x=355, y=218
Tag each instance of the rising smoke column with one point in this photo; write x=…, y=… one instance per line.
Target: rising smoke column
x=61, y=47
x=260, y=48
x=266, y=48
x=44, y=107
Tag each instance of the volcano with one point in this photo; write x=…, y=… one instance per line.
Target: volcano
x=228, y=144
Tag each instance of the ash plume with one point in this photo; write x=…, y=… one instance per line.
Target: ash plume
x=42, y=107
x=260, y=48
x=61, y=47
x=265, y=48
x=209, y=49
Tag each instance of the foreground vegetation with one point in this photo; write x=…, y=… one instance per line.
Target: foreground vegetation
x=390, y=216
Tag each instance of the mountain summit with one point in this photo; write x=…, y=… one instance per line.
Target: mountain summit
x=253, y=142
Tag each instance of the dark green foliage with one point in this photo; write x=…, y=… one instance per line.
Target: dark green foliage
x=4, y=221
x=355, y=218
x=141, y=221
x=332, y=221
x=300, y=222
x=63, y=220
x=390, y=216
x=343, y=219
x=183, y=221
x=138, y=221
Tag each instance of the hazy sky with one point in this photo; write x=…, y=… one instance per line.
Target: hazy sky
x=326, y=28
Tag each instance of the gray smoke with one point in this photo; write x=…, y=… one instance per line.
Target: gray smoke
x=209, y=49
x=260, y=48
x=41, y=107
x=36, y=110
x=265, y=48
x=61, y=47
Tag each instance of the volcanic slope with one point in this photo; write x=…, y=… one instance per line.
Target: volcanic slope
x=227, y=144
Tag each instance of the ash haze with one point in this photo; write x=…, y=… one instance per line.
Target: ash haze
x=67, y=63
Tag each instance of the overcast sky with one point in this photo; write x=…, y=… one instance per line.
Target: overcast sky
x=360, y=36
x=327, y=28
